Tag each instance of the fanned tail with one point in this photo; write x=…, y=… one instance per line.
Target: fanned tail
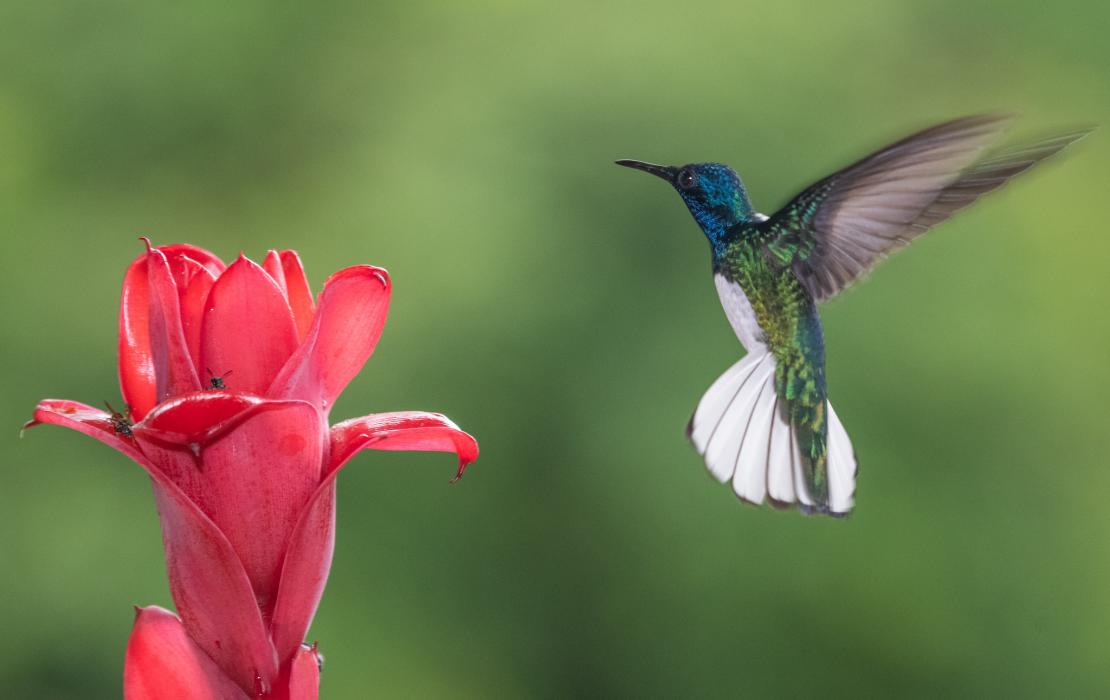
x=742, y=430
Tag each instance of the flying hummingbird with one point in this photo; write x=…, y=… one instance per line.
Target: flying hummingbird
x=766, y=424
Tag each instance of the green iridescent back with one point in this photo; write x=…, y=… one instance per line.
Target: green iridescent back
x=760, y=257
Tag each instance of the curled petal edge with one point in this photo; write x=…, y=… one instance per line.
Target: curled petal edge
x=197, y=419
x=401, y=430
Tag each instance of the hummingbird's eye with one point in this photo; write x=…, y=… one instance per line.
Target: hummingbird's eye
x=686, y=179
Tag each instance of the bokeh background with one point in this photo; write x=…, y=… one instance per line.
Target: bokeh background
x=561, y=309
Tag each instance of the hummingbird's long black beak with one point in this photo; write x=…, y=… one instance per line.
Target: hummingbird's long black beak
x=664, y=171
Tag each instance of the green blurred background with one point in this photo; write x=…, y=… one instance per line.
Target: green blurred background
x=561, y=309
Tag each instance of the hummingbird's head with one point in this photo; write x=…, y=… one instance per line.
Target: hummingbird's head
x=713, y=193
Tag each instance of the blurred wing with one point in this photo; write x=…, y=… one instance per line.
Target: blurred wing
x=843, y=225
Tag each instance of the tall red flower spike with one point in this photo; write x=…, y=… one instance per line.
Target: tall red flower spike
x=229, y=373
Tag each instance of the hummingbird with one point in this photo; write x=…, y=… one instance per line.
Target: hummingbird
x=766, y=424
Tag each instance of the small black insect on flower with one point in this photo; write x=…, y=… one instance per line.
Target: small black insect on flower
x=121, y=422
x=216, y=381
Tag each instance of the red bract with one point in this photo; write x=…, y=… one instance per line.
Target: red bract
x=229, y=374
x=163, y=662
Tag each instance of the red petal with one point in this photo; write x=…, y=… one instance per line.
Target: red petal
x=88, y=420
x=193, y=420
x=298, y=291
x=208, y=583
x=272, y=266
x=193, y=302
x=403, y=430
x=308, y=557
x=305, y=571
x=260, y=477
x=174, y=371
x=136, y=364
x=352, y=312
x=163, y=662
x=184, y=270
x=213, y=593
x=209, y=260
x=304, y=677
x=250, y=465
x=248, y=328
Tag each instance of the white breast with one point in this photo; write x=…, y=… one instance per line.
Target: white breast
x=741, y=315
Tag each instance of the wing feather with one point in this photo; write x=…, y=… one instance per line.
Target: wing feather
x=854, y=218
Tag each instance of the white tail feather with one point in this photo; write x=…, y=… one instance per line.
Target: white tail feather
x=740, y=429
x=842, y=466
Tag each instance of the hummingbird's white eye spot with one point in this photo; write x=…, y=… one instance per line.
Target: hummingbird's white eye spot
x=686, y=179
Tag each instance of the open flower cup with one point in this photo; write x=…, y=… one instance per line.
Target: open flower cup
x=228, y=373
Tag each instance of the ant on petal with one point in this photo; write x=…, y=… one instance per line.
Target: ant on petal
x=121, y=423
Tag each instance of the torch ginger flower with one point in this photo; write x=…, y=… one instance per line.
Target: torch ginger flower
x=229, y=373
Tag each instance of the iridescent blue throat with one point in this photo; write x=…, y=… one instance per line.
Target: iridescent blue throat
x=719, y=202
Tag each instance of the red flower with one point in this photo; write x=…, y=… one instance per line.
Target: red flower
x=229, y=375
